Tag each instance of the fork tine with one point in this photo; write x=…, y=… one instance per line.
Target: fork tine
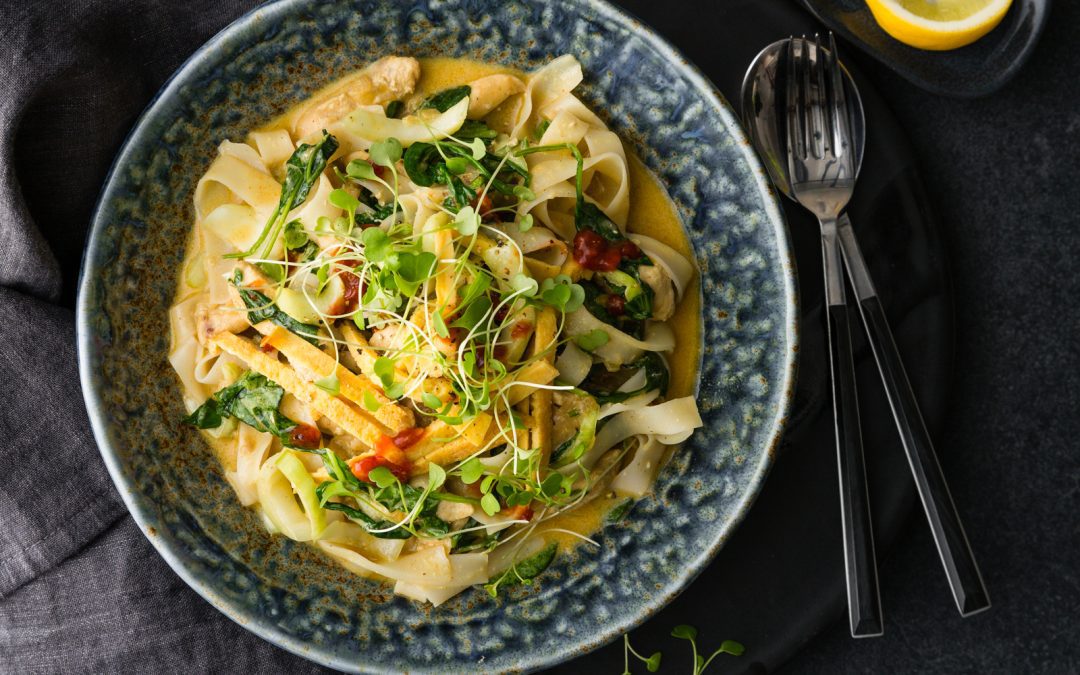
x=792, y=116
x=840, y=111
x=826, y=118
x=811, y=106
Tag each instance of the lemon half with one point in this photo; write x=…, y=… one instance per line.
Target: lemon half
x=938, y=24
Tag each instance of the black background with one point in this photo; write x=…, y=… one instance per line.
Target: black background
x=1000, y=173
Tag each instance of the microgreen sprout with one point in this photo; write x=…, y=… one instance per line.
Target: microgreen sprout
x=700, y=663
x=652, y=663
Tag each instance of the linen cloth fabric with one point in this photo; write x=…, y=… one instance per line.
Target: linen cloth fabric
x=81, y=589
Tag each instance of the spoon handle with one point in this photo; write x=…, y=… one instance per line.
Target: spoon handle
x=860, y=561
x=964, y=578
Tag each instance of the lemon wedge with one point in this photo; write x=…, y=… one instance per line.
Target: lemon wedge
x=938, y=24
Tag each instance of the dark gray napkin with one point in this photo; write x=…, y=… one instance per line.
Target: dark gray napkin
x=81, y=589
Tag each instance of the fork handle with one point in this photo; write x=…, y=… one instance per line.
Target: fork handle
x=864, y=599
x=966, y=582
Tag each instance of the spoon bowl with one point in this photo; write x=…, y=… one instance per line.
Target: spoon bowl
x=764, y=109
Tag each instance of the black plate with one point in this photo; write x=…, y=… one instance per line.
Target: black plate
x=975, y=70
x=780, y=580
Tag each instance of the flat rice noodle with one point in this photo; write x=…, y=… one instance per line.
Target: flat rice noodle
x=505, y=555
x=574, y=364
x=678, y=268
x=466, y=569
x=667, y=420
x=350, y=535
x=427, y=567
x=252, y=447
x=368, y=124
x=275, y=147
x=621, y=348
x=546, y=85
x=637, y=478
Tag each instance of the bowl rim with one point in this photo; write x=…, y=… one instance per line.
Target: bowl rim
x=268, y=631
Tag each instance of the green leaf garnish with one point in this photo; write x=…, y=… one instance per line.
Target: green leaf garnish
x=421, y=159
x=684, y=632
x=457, y=165
x=490, y=504
x=384, y=370
x=467, y=222
x=439, y=324
x=619, y=511
x=385, y=153
x=445, y=99
x=343, y=200
x=382, y=477
x=413, y=269
x=436, y=476
x=471, y=471
x=376, y=244
x=523, y=571
x=295, y=236
x=370, y=402
x=261, y=309
x=552, y=485
x=476, y=312
x=594, y=339
x=478, y=149
x=275, y=271
x=253, y=399
x=330, y=384
x=360, y=169
x=562, y=293
x=524, y=284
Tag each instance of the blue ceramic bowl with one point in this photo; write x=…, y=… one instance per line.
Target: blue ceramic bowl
x=289, y=594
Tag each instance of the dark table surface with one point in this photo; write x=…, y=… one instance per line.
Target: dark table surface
x=998, y=173
x=1001, y=172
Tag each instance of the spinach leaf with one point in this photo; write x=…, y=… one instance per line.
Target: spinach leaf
x=261, y=309
x=476, y=540
x=307, y=252
x=445, y=99
x=656, y=377
x=253, y=399
x=395, y=108
x=475, y=129
x=421, y=160
x=364, y=520
x=379, y=213
x=523, y=571
x=626, y=282
x=425, y=522
x=460, y=194
x=619, y=511
x=209, y=415
x=256, y=405
x=588, y=216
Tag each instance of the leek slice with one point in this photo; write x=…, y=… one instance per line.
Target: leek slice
x=367, y=125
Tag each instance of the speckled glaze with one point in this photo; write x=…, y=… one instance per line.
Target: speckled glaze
x=288, y=593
